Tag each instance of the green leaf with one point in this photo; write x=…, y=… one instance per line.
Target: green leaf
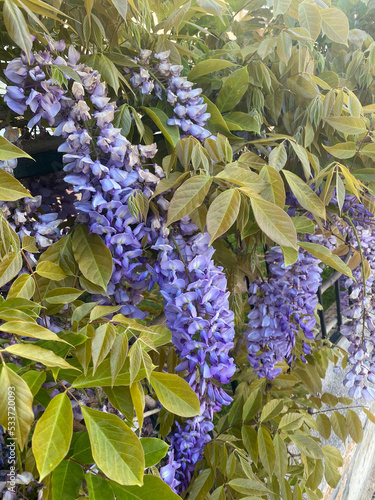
x=52, y=435
x=305, y=195
x=354, y=425
x=23, y=287
x=10, y=266
x=324, y=255
x=249, y=486
x=16, y=26
x=153, y=488
x=274, y=222
x=102, y=342
x=138, y=398
x=171, y=133
x=252, y=405
x=32, y=330
x=222, y=213
x=40, y=355
x=316, y=476
x=281, y=464
x=207, y=67
x=120, y=398
x=342, y=150
x=62, y=295
x=370, y=415
x=135, y=360
x=13, y=384
x=123, y=119
x=250, y=441
x=291, y=421
x=278, y=157
x=9, y=151
x=154, y=450
x=98, y=487
x=271, y=410
x=106, y=69
x=335, y=25
x=309, y=18
x=303, y=157
x=266, y=449
x=10, y=188
x=245, y=121
x=116, y=449
x=66, y=70
x=202, y=485
x=66, y=480
x=274, y=192
x=307, y=445
x=188, y=197
x=347, y=124
x=290, y=255
x=233, y=89
x=80, y=448
x=175, y=394
x=93, y=257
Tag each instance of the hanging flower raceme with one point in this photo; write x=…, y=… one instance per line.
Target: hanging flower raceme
x=189, y=108
x=358, y=302
x=282, y=310
x=198, y=315
x=101, y=164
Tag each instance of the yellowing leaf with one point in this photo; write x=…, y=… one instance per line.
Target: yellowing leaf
x=347, y=124
x=274, y=222
x=222, y=213
x=93, y=257
x=324, y=255
x=115, y=448
x=305, y=195
x=10, y=188
x=53, y=434
x=175, y=394
x=23, y=287
x=40, y=355
x=11, y=383
x=50, y=270
x=309, y=18
x=188, y=197
x=28, y=329
x=343, y=150
x=102, y=342
x=266, y=449
x=335, y=25
x=354, y=426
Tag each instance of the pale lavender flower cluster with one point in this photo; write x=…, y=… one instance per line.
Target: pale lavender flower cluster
x=198, y=315
x=282, y=310
x=101, y=165
x=190, y=110
x=358, y=305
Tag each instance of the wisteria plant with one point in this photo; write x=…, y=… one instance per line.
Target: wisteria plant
x=159, y=287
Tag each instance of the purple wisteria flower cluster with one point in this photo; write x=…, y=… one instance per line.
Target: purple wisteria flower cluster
x=189, y=108
x=282, y=310
x=103, y=167
x=358, y=303
x=202, y=326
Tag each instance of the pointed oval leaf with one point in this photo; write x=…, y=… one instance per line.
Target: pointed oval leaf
x=40, y=355
x=66, y=480
x=342, y=150
x=335, y=25
x=325, y=255
x=154, y=450
x=116, y=449
x=175, y=394
x=50, y=270
x=354, y=426
x=274, y=222
x=305, y=195
x=53, y=434
x=102, y=342
x=207, y=67
x=22, y=410
x=23, y=287
x=347, y=124
x=93, y=257
x=271, y=410
x=266, y=449
x=233, y=90
x=274, y=192
x=222, y=213
x=27, y=329
x=153, y=488
x=188, y=197
x=171, y=133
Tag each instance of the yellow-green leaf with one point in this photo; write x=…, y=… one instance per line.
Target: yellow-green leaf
x=222, y=213
x=188, y=197
x=53, y=434
x=207, y=67
x=116, y=449
x=175, y=394
x=274, y=192
x=342, y=150
x=10, y=188
x=325, y=255
x=305, y=195
x=354, y=426
x=335, y=25
x=40, y=355
x=347, y=124
x=266, y=449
